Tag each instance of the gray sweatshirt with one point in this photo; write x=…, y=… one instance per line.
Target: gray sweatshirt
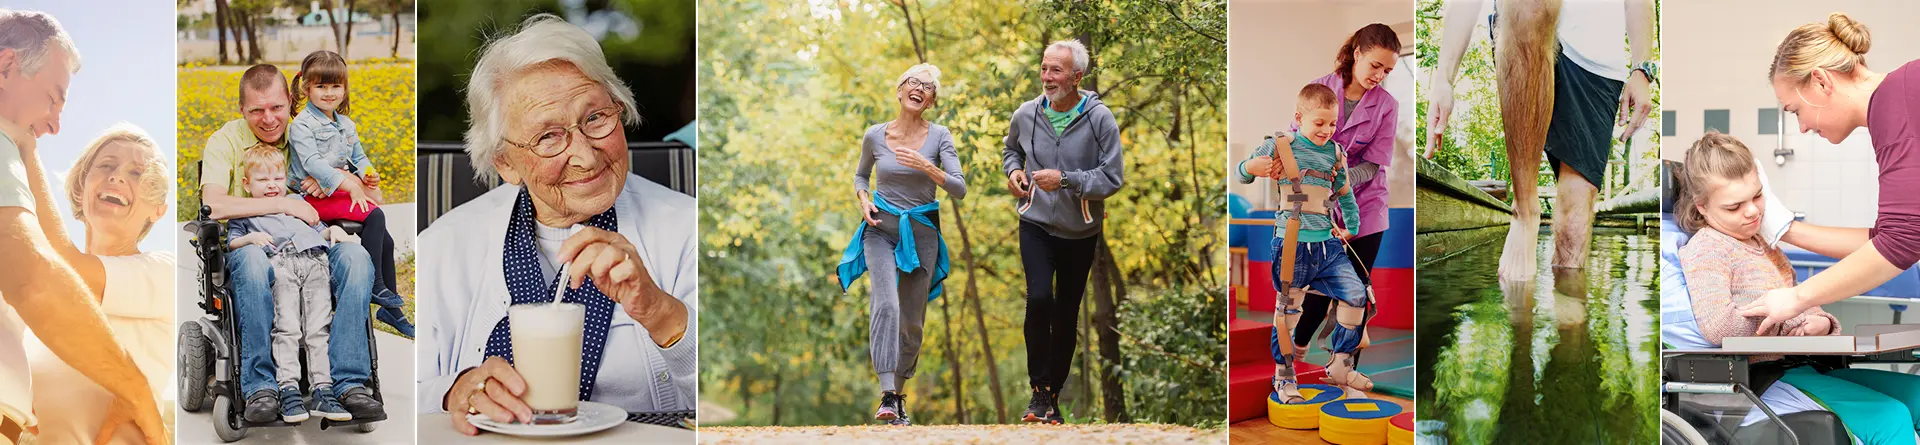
x=902, y=186
x=1087, y=154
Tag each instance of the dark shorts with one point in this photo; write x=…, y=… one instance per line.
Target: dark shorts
x=1581, y=132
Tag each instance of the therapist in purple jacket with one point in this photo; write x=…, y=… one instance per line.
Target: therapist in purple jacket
x=1365, y=128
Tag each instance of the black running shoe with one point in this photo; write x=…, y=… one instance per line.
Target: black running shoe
x=893, y=406
x=1037, y=408
x=360, y=402
x=262, y=406
x=1054, y=417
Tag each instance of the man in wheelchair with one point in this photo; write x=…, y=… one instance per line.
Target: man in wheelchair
x=265, y=104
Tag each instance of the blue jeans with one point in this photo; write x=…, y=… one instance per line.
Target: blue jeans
x=1324, y=267
x=251, y=279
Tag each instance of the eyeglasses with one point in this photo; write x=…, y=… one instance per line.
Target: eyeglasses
x=598, y=124
x=914, y=82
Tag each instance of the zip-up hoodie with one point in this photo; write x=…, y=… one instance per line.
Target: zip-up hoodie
x=1088, y=156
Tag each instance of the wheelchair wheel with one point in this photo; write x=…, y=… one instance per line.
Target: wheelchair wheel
x=195, y=358
x=226, y=420
x=367, y=427
x=1676, y=431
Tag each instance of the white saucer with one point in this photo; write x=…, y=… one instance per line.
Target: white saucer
x=592, y=417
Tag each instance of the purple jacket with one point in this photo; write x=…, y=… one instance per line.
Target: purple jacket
x=1367, y=134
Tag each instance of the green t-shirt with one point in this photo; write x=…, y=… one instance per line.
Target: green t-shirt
x=220, y=159
x=1061, y=119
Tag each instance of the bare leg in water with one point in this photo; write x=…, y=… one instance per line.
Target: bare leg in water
x=1572, y=219
x=1526, y=53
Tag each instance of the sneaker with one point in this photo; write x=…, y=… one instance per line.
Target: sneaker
x=896, y=404
x=360, y=402
x=325, y=405
x=262, y=406
x=1037, y=407
x=1054, y=416
x=293, y=409
x=886, y=411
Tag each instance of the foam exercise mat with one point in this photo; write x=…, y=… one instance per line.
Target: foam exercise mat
x=1356, y=421
x=1301, y=416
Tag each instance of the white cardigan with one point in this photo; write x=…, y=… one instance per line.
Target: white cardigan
x=463, y=294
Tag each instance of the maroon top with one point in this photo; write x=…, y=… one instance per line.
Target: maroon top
x=1893, y=120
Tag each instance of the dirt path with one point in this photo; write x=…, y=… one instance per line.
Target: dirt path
x=969, y=434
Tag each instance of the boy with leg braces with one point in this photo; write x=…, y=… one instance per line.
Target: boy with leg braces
x=1312, y=252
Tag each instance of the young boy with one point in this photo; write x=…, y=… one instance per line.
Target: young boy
x=302, y=292
x=1310, y=251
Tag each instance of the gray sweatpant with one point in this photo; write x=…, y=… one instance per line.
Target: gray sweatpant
x=899, y=301
x=302, y=311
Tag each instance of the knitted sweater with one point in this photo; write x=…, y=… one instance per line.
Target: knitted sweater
x=1724, y=273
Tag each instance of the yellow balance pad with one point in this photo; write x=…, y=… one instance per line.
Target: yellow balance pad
x=1301, y=416
x=1356, y=421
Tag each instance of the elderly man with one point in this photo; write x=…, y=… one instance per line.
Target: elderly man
x=37, y=62
x=265, y=102
x=1063, y=160
x=546, y=113
x=1563, y=83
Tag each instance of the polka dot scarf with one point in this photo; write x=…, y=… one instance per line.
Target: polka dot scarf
x=524, y=281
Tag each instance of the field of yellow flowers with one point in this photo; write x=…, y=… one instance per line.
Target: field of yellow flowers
x=383, y=94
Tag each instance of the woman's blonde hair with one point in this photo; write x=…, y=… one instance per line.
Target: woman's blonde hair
x=153, y=184
x=933, y=72
x=1839, y=45
x=1714, y=157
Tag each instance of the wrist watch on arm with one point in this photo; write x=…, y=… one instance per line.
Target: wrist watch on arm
x=1652, y=70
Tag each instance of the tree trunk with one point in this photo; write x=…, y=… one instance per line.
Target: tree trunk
x=1106, y=324
x=253, y=39
x=347, y=36
x=979, y=317
x=333, y=23
x=776, y=397
x=396, y=28
x=953, y=359
x=220, y=28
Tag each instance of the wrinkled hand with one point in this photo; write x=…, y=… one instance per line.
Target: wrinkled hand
x=616, y=268
x=1439, y=114
x=1048, y=179
x=1017, y=184
x=499, y=400
x=1635, y=104
x=1778, y=306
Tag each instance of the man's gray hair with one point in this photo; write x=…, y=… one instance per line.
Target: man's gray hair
x=30, y=34
x=1074, y=47
x=541, y=39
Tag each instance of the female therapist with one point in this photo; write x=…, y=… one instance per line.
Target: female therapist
x=1820, y=74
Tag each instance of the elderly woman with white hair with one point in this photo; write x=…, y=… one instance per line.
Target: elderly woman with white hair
x=908, y=259
x=546, y=113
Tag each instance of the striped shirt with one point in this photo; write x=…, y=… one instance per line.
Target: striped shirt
x=1313, y=227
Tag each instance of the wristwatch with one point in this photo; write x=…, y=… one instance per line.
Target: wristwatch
x=1647, y=66
x=1063, y=181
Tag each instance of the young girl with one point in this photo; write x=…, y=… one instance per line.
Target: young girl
x=330, y=165
x=1728, y=264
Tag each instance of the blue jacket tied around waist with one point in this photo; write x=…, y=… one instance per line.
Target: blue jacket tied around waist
x=853, y=260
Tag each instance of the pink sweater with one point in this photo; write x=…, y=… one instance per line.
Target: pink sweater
x=1724, y=274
